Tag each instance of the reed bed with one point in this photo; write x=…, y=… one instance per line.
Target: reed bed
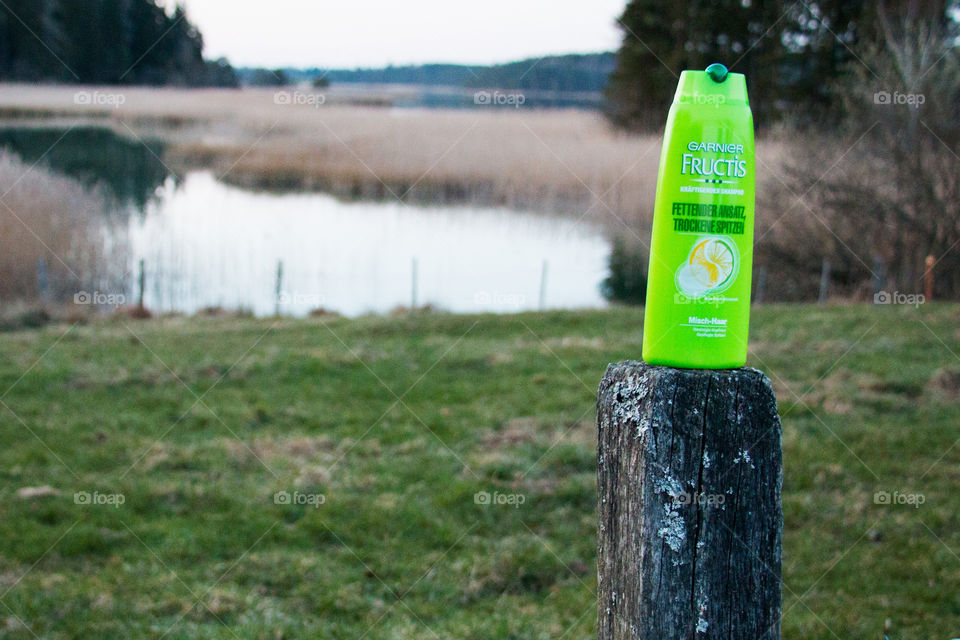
x=54, y=243
x=555, y=160
x=558, y=161
x=568, y=161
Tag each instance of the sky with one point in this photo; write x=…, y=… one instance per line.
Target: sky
x=374, y=33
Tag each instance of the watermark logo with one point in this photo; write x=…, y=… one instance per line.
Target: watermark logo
x=99, y=298
x=498, y=299
x=499, y=99
x=298, y=498
x=486, y=498
x=298, y=298
x=706, y=99
x=899, y=497
x=299, y=99
x=700, y=499
x=897, y=98
x=679, y=298
x=895, y=297
x=99, y=499
x=99, y=99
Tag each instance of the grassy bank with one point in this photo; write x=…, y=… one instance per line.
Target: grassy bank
x=398, y=422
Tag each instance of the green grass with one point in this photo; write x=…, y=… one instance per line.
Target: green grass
x=398, y=422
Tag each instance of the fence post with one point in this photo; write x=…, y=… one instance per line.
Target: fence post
x=43, y=280
x=761, y=285
x=824, y=281
x=413, y=285
x=879, y=274
x=690, y=520
x=142, y=283
x=543, y=286
x=278, y=291
x=928, y=278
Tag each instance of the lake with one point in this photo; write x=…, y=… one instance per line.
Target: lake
x=205, y=243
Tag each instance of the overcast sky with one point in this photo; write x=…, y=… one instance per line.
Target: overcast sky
x=352, y=33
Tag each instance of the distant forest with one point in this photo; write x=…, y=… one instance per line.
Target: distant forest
x=586, y=72
x=104, y=42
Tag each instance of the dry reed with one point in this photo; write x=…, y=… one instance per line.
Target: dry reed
x=49, y=218
x=553, y=160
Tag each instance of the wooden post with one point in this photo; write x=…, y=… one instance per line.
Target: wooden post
x=43, y=280
x=142, y=281
x=413, y=285
x=690, y=520
x=928, y=278
x=824, y=281
x=761, y=285
x=543, y=286
x=278, y=290
x=879, y=275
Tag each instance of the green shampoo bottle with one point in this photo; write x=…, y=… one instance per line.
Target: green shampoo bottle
x=701, y=252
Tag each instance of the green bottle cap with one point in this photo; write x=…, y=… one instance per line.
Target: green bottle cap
x=713, y=87
x=717, y=72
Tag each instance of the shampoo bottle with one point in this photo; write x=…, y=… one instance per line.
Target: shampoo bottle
x=701, y=251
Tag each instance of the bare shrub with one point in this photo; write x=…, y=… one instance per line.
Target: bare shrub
x=884, y=192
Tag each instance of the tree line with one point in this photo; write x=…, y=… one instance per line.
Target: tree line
x=863, y=100
x=104, y=42
x=573, y=73
x=796, y=55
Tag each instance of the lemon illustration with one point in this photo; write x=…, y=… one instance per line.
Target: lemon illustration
x=715, y=261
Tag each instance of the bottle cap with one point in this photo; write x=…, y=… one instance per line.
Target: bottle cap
x=717, y=72
x=713, y=87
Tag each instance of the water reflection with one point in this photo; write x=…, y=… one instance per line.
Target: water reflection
x=204, y=243
x=210, y=244
x=131, y=170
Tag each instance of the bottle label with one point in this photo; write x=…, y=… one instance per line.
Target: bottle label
x=710, y=267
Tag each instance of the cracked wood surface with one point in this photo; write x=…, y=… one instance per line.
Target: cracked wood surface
x=690, y=521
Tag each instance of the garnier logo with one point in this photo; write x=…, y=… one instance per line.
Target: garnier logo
x=715, y=147
x=717, y=166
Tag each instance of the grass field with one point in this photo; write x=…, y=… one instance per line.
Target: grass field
x=195, y=424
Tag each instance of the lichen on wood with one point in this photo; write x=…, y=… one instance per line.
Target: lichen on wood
x=690, y=521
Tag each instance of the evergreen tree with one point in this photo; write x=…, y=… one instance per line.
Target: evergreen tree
x=661, y=40
x=104, y=42
x=795, y=55
x=29, y=40
x=627, y=279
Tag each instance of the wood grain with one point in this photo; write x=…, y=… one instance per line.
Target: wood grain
x=690, y=520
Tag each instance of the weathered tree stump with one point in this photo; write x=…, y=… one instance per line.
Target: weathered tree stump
x=690, y=519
